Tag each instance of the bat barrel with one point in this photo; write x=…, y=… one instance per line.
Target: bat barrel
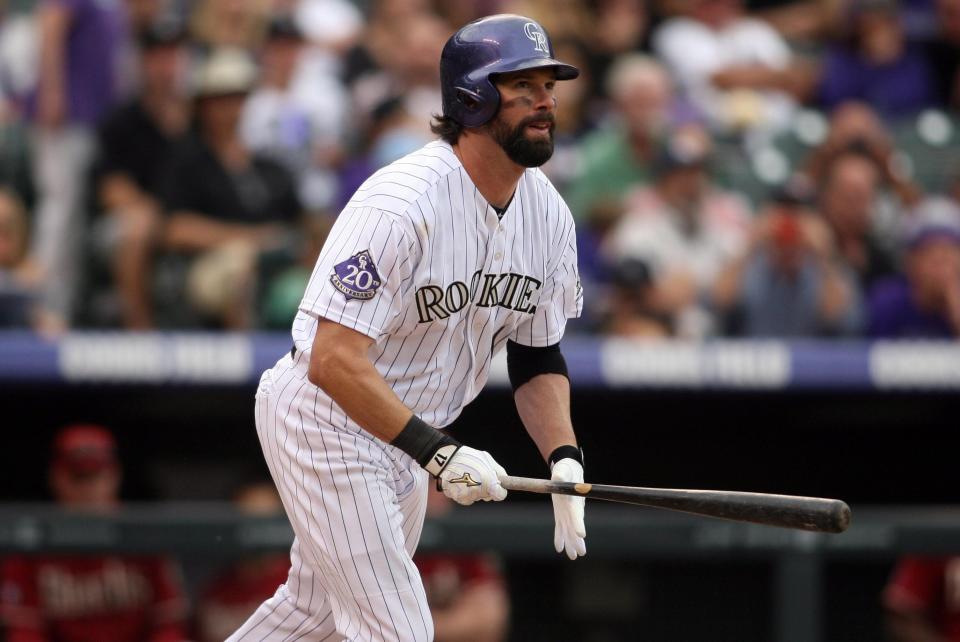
x=806, y=513
x=789, y=511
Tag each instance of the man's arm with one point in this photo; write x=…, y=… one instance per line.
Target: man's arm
x=541, y=391
x=193, y=232
x=543, y=403
x=340, y=365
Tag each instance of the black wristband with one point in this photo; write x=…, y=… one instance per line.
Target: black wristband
x=566, y=452
x=430, y=448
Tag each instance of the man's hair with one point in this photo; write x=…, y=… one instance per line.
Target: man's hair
x=446, y=128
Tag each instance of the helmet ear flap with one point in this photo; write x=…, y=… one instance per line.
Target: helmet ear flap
x=469, y=99
x=475, y=107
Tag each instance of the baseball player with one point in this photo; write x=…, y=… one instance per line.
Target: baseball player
x=439, y=261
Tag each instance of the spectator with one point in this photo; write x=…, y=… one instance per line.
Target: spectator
x=19, y=278
x=234, y=594
x=77, y=83
x=225, y=204
x=789, y=283
x=613, y=160
x=877, y=66
x=80, y=598
x=849, y=196
x=924, y=302
x=685, y=229
x=736, y=70
x=466, y=592
x=298, y=124
x=922, y=600
x=136, y=140
x=855, y=126
x=628, y=308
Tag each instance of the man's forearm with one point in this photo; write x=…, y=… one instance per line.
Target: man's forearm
x=544, y=406
x=357, y=387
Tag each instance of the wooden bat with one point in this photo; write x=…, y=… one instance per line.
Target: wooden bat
x=788, y=511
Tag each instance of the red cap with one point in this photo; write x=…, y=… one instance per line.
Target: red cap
x=84, y=449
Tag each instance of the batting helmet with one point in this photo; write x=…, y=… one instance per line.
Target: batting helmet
x=493, y=45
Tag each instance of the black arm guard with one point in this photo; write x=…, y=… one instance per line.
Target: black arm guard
x=524, y=363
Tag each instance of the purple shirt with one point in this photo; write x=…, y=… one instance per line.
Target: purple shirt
x=898, y=89
x=94, y=40
x=895, y=315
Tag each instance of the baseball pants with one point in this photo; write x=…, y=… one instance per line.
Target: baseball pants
x=357, y=507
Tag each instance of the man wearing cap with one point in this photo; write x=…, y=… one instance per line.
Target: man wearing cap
x=923, y=302
x=224, y=203
x=60, y=598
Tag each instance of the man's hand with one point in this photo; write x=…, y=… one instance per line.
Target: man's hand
x=570, y=530
x=471, y=475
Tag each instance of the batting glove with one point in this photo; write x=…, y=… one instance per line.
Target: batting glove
x=471, y=475
x=569, y=531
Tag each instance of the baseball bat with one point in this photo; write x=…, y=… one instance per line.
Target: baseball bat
x=787, y=511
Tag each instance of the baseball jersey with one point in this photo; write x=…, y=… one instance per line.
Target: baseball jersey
x=423, y=265
x=92, y=599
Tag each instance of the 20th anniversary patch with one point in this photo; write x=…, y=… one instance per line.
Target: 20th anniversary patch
x=357, y=277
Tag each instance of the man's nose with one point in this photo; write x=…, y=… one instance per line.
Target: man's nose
x=544, y=99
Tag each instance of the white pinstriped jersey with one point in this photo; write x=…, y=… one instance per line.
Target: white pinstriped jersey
x=421, y=263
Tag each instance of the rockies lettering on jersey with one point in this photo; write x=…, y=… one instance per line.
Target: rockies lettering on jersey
x=434, y=302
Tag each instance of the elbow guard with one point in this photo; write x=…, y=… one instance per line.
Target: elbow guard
x=524, y=362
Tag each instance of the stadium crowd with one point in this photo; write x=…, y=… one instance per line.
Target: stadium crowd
x=751, y=168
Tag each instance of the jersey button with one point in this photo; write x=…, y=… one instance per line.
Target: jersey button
x=498, y=256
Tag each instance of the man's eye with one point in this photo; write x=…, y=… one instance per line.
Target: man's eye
x=522, y=84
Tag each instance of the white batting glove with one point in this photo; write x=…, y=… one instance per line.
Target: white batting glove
x=570, y=531
x=471, y=475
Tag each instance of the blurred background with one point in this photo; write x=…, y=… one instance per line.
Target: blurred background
x=767, y=198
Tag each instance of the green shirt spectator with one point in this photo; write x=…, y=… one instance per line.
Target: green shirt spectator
x=611, y=167
x=615, y=158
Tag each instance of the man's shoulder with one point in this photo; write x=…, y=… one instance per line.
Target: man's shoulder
x=396, y=187
x=542, y=183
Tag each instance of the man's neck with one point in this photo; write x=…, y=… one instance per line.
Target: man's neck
x=489, y=167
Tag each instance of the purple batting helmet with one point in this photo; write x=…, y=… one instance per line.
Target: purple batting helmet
x=492, y=45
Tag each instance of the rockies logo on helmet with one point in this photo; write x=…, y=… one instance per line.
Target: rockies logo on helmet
x=539, y=38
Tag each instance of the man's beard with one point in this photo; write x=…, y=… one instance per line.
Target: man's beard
x=520, y=149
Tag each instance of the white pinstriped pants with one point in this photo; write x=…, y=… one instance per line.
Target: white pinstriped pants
x=357, y=507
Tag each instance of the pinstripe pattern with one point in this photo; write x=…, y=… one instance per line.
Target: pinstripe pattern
x=455, y=283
